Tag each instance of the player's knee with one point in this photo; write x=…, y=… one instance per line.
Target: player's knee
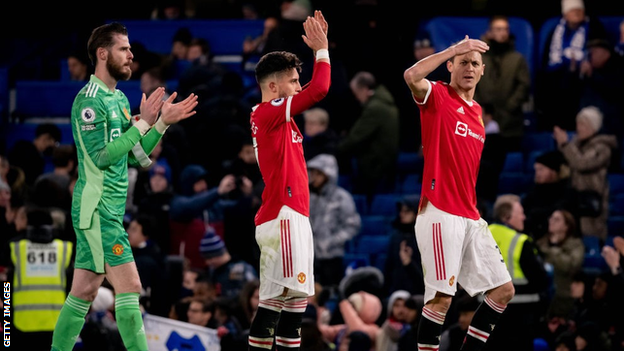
x=86, y=292
x=503, y=294
x=440, y=303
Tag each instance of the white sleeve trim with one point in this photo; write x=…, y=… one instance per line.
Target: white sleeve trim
x=426, y=95
x=288, y=102
x=160, y=126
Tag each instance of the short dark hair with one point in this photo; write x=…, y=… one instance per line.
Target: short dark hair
x=365, y=80
x=63, y=154
x=48, y=128
x=102, y=37
x=276, y=62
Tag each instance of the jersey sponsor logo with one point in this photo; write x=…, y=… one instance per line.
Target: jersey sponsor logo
x=461, y=110
x=296, y=138
x=87, y=114
x=87, y=127
x=462, y=129
x=301, y=277
x=115, y=133
x=118, y=249
x=277, y=102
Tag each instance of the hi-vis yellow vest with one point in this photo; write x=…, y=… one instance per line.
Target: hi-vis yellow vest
x=39, y=283
x=510, y=244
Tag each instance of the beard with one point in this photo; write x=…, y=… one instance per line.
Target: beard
x=117, y=71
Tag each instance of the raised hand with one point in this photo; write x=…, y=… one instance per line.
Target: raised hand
x=467, y=45
x=318, y=15
x=150, y=106
x=314, y=36
x=173, y=113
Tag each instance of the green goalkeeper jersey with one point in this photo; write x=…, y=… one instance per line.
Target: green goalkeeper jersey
x=106, y=142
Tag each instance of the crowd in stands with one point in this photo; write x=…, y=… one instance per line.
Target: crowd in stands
x=552, y=170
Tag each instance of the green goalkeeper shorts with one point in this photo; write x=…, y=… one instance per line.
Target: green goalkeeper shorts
x=106, y=241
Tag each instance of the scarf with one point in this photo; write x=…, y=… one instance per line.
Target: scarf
x=567, y=45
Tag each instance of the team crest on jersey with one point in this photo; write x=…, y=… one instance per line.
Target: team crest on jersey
x=277, y=102
x=87, y=114
x=301, y=277
x=118, y=249
x=125, y=111
x=452, y=280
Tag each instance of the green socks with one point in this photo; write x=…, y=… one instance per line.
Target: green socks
x=69, y=323
x=130, y=321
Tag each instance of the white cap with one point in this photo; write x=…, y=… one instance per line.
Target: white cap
x=592, y=116
x=567, y=5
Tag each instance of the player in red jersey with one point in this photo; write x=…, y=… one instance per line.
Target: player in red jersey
x=454, y=241
x=283, y=229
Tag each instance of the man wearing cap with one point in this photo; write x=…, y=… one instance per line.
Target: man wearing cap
x=228, y=275
x=588, y=154
x=551, y=191
x=563, y=53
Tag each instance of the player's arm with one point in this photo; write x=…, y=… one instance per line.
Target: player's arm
x=93, y=134
x=316, y=38
x=415, y=75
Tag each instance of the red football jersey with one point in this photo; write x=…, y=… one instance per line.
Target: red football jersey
x=279, y=150
x=453, y=136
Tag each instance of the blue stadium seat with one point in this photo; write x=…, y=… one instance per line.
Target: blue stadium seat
x=355, y=260
x=514, y=162
x=409, y=162
x=379, y=261
x=225, y=36
x=372, y=244
x=530, y=161
x=360, y=204
x=616, y=204
x=53, y=98
x=538, y=141
x=345, y=181
x=375, y=225
x=615, y=225
x=616, y=183
x=594, y=262
x=410, y=184
x=26, y=131
x=514, y=183
x=384, y=204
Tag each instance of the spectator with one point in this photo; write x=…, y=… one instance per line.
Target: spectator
x=193, y=209
x=79, y=66
x=228, y=276
x=151, y=79
x=64, y=161
x=100, y=332
x=318, y=137
x=202, y=75
x=551, y=190
x=150, y=262
x=619, y=47
x=614, y=257
x=156, y=204
x=602, y=76
x=394, y=324
x=255, y=46
x=247, y=303
x=562, y=248
x=201, y=312
x=143, y=60
x=453, y=337
x=492, y=157
x=423, y=47
x=374, y=138
x=589, y=155
x=334, y=219
x=413, y=306
x=403, y=270
x=506, y=83
x=30, y=155
x=560, y=66
x=528, y=276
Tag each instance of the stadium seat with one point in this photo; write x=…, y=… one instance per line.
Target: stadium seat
x=375, y=225
x=360, y=204
x=384, y=204
x=514, y=162
x=409, y=162
x=410, y=184
x=372, y=244
x=615, y=225
x=616, y=204
x=538, y=141
x=355, y=260
x=593, y=262
x=514, y=183
x=345, y=181
x=616, y=183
